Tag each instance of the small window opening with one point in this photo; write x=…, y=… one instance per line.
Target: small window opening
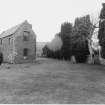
x=25, y=52
x=9, y=41
x=25, y=35
x=1, y=41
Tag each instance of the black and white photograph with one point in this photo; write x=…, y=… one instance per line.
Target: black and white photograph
x=52, y=51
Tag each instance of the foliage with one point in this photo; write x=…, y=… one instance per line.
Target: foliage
x=53, y=49
x=60, y=49
x=51, y=54
x=101, y=33
x=81, y=32
x=66, y=33
x=102, y=13
x=74, y=40
x=55, y=44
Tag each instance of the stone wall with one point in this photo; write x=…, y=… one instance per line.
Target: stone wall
x=7, y=48
x=20, y=44
x=12, y=46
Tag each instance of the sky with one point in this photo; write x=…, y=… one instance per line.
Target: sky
x=46, y=16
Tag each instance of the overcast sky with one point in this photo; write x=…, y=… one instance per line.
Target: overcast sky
x=45, y=16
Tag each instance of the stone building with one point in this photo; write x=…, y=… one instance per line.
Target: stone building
x=18, y=44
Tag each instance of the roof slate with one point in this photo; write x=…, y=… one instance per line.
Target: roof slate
x=10, y=31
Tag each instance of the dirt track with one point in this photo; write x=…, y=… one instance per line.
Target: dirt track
x=53, y=82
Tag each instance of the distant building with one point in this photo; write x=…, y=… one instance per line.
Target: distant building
x=18, y=44
x=39, y=48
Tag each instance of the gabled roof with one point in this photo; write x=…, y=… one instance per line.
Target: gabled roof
x=11, y=31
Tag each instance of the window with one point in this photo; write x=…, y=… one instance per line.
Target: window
x=26, y=36
x=0, y=41
x=25, y=52
x=9, y=39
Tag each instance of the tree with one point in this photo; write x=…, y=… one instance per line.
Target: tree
x=60, y=49
x=81, y=32
x=65, y=34
x=102, y=13
x=53, y=49
x=101, y=33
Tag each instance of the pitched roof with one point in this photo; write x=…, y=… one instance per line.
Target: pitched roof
x=11, y=30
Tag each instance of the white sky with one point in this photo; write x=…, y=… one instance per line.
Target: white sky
x=46, y=16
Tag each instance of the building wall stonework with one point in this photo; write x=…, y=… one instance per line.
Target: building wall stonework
x=20, y=44
x=7, y=48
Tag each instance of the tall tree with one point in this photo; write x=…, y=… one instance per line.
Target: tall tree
x=65, y=34
x=102, y=13
x=81, y=32
x=101, y=33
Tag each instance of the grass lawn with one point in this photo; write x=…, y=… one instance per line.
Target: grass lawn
x=52, y=82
